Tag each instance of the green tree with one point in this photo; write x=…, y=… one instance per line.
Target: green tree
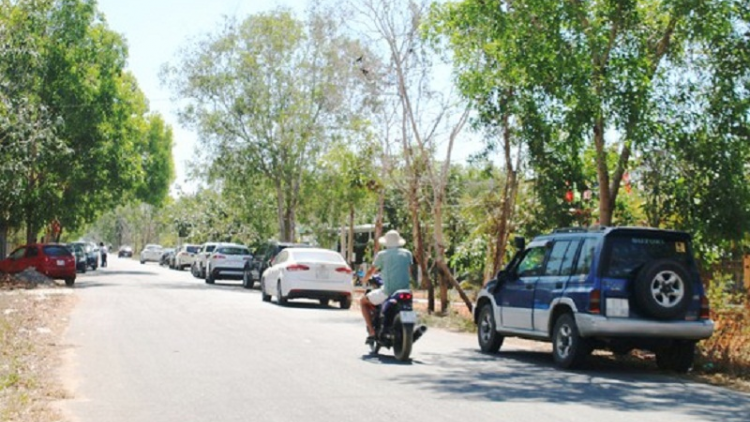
x=266, y=94
x=589, y=70
x=64, y=73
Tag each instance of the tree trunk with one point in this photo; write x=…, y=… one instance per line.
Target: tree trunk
x=503, y=231
x=605, y=202
x=379, y=222
x=447, y=274
x=3, y=239
x=280, y=211
x=440, y=249
x=350, y=246
x=419, y=255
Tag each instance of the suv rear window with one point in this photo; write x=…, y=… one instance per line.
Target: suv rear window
x=56, y=250
x=627, y=254
x=192, y=249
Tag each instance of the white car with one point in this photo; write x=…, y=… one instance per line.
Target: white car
x=185, y=256
x=151, y=253
x=227, y=261
x=310, y=273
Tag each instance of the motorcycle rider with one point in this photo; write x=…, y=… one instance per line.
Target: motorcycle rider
x=393, y=263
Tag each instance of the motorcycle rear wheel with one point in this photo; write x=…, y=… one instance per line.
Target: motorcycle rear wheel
x=403, y=337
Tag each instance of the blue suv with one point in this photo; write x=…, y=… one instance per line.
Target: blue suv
x=616, y=288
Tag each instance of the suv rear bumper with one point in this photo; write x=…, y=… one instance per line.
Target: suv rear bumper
x=601, y=326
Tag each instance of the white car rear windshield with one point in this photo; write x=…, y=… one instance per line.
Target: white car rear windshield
x=318, y=256
x=233, y=251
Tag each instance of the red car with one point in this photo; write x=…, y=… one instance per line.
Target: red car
x=53, y=260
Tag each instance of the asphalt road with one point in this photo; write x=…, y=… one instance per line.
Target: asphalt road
x=149, y=344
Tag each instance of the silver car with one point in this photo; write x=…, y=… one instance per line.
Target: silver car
x=151, y=253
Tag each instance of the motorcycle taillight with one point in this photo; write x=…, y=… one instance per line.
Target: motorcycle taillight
x=404, y=296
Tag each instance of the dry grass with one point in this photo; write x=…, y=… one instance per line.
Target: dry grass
x=32, y=322
x=727, y=352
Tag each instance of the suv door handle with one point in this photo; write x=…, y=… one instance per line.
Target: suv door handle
x=529, y=287
x=559, y=285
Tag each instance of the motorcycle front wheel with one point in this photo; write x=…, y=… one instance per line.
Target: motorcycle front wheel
x=403, y=337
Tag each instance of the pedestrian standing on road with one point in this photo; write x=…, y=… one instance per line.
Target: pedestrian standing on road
x=393, y=263
x=103, y=251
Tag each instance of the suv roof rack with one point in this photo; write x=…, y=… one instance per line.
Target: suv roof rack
x=579, y=229
x=570, y=230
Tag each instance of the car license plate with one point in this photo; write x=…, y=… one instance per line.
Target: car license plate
x=408, y=317
x=60, y=263
x=618, y=308
x=321, y=274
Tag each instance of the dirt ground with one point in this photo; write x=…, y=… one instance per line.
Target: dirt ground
x=33, y=319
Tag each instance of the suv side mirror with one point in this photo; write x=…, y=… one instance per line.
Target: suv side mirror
x=519, y=242
x=501, y=275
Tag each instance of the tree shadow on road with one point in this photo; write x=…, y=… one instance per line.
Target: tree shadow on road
x=524, y=376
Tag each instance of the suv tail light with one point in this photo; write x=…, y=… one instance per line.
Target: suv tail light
x=346, y=270
x=297, y=267
x=705, y=309
x=595, y=301
x=217, y=256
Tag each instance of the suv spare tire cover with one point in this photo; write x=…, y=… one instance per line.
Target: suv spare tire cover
x=663, y=289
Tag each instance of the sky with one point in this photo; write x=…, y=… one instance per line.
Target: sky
x=155, y=30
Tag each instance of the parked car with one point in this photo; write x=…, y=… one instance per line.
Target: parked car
x=125, y=252
x=310, y=273
x=226, y=262
x=79, y=252
x=167, y=254
x=606, y=288
x=262, y=257
x=198, y=267
x=151, y=253
x=92, y=254
x=184, y=256
x=53, y=260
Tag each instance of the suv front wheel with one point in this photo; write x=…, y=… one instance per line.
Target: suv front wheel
x=489, y=339
x=569, y=349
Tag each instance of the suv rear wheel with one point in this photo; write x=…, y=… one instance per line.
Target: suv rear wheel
x=489, y=339
x=569, y=349
x=663, y=289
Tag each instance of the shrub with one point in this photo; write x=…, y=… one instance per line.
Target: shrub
x=728, y=350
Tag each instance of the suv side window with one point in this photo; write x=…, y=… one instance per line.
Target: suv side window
x=561, y=258
x=533, y=262
x=586, y=257
x=556, y=256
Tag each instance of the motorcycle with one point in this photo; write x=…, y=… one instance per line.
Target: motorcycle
x=395, y=323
